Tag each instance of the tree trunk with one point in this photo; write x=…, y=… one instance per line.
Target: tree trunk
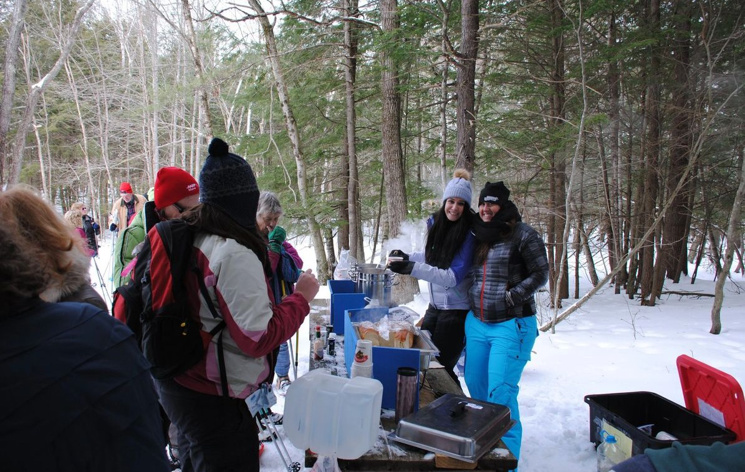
x=9, y=79
x=652, y=154
x=675, y=228
x=612, y=190
x=393, y=167
x=191, y=38
x=38, y=89
x=559, y=265
x=466, y=81
x=354, y=239
x=733, y=238
x=294, y=135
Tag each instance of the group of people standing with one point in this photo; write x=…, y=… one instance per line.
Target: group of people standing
x=483, y=270
x=75, y=384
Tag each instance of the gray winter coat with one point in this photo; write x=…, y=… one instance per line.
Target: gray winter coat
x=503, y=286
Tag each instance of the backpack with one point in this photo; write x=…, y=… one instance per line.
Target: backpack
x=154, y=303
x=287, y=274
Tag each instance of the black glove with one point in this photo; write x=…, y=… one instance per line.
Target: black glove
x=112, y=227
x=399, y=253
x=401, y=267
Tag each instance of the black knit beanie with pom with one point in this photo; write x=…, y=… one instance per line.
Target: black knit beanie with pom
x=228, y=183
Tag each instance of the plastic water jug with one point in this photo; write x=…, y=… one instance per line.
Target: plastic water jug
x=609, y=454
x=333, y=416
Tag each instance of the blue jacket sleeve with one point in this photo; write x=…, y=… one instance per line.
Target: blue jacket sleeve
x=451, y=277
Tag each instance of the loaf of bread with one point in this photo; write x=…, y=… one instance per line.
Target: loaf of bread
x=390, y=334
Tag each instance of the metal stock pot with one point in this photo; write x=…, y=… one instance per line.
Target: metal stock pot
x=374, y=281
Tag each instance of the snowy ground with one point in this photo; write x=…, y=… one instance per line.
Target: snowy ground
x=610, y=345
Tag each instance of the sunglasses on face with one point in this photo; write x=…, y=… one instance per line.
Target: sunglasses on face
x=162, y=211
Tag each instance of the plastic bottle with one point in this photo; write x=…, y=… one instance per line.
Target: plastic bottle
x=318, y=345
x=609, y=454
x=332, y=344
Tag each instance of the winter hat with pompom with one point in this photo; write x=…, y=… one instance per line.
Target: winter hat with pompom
x=228, y=183
x=459, y=186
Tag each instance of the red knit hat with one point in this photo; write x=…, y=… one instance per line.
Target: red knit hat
x=125, y=188
x=171, y=185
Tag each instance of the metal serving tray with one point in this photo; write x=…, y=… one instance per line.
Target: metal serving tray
x=456, y=426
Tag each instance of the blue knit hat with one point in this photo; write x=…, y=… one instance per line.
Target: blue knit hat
x=459, y=186
x=228, y=183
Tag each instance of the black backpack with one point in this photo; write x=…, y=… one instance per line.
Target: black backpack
x=154, y=303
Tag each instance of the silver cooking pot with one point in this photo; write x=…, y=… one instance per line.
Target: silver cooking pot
x=374, y=281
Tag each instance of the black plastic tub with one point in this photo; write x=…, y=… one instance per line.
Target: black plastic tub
x=629, y=411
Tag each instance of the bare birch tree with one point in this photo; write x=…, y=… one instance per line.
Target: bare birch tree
x=294, y=135
x=68, y=35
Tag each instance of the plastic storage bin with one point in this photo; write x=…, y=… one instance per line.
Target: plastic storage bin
x=713, y=394
x=343, y=297
x=386, y=360
x=333, y=416
x=628, y=411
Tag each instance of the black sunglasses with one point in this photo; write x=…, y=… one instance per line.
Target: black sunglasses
x=162, y=212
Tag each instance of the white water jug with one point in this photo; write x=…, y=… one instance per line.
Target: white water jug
x=333, y=416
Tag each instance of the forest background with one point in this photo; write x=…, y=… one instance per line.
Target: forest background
x=618, y=125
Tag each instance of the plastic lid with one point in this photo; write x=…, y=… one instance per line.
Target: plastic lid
x=610, y=439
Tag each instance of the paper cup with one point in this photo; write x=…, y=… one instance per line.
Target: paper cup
x=363, y=352
x=360, y=370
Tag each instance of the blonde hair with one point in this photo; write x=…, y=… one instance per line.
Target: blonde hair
x=39, y=228
x=74, y=218
x=77, y=206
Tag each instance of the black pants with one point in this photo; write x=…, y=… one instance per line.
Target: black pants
x=215, y=434
x=449, y=335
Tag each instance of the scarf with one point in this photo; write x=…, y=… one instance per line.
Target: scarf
x=499, y=226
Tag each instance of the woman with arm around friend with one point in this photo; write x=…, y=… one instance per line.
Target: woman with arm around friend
x=216, y=430
x=510, y=265
x=445, y=264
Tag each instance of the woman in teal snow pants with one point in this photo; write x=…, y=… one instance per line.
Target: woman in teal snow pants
x=510, y=265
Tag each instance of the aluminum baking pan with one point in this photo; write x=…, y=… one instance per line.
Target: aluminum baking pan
x=455, y=426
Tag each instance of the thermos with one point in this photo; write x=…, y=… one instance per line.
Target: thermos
x=407, y=381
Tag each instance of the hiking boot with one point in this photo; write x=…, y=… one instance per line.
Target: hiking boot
x=276, y=418
x=283, y=383
x=265, y=436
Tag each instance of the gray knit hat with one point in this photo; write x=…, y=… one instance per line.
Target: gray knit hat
x=228, y=183
x=459, y=186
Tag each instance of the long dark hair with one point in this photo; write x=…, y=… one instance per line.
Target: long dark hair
x=208, y=219
x=446, y=237
x=482, y=247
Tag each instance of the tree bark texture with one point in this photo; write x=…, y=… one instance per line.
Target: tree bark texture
x=9, y=79
x=294, y=135
x=466, y=83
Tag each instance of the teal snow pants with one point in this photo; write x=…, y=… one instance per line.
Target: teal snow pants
x=496, y=354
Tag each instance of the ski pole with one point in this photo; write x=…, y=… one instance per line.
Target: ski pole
x=297, y=350
x=294, y=366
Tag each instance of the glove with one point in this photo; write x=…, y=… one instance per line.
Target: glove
x=401, y=267
x=112, y=227
x=276, y=238
x=508, y=299
x=399, y=253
